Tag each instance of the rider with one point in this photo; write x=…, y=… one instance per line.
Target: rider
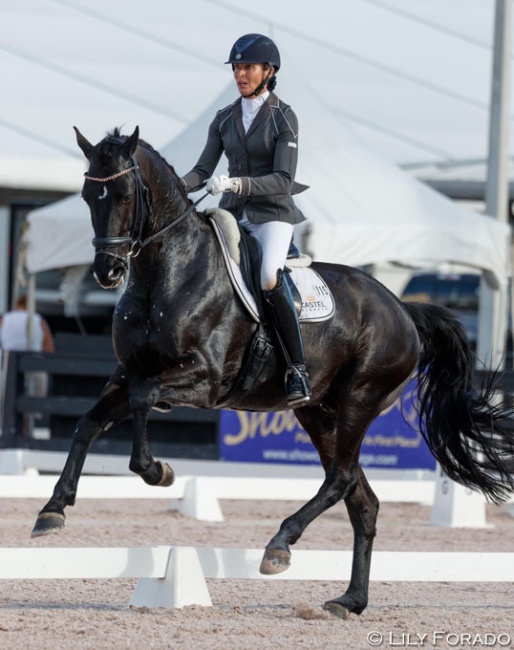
x=259, y=135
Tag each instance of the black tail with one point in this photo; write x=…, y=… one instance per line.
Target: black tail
x=468, y=432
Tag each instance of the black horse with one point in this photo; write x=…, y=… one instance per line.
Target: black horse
x=181, y=334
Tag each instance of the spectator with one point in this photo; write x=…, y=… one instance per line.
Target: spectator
x=16, y=335
x=14, y=330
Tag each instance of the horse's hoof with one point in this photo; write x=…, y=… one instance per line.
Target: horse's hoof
x=48, y=522
x=168, y=475
x=337, y=609
x=275, y=561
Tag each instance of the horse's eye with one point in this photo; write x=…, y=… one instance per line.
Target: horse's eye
x=127, y=198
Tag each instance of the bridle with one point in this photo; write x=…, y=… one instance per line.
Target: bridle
x=142, y=212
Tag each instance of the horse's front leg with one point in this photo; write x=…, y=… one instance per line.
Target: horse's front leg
x=143, y=397
x=111, y=408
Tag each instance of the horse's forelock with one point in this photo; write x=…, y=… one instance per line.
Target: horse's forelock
x=115, y=136
x=106, y=147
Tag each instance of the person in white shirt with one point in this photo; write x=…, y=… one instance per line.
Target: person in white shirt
x=19, y=334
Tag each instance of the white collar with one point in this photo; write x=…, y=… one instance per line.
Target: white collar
x=250, y=108
x=252, y=104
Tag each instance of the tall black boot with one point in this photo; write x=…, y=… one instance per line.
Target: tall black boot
x=287, y=327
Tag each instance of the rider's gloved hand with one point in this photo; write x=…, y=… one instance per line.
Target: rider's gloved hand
x=218, y=184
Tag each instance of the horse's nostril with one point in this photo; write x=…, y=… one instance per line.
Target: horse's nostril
x=116, y=273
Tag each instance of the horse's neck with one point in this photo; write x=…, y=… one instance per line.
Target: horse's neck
x=178, y=271
x=168, y=201
x=189, y=243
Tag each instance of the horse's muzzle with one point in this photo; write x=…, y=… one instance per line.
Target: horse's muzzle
x=109, y=269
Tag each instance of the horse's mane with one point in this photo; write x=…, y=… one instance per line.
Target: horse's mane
x=117, y=137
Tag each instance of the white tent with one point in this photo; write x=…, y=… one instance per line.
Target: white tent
x=413, y=77
x=362, y=209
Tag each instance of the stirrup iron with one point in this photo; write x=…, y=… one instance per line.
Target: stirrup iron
x=297, y=385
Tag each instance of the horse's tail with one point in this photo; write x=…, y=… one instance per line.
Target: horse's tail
x=468, y=432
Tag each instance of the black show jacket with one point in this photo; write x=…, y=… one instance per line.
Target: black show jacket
x=265, y=159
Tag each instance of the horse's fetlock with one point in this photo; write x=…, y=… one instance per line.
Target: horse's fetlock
x=137, y=468
x=290, y=532
x=70, y=499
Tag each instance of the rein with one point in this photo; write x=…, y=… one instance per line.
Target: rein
x=102, y=244
x=164, y=229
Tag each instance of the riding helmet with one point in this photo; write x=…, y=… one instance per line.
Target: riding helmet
x=255, y=48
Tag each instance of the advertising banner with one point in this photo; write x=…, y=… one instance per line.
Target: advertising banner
x=393, y=440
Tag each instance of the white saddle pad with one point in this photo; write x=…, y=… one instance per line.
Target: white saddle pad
x=317, y=299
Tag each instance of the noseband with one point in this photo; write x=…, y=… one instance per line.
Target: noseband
x=142, y=212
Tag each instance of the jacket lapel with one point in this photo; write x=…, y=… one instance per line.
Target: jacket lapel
x=237, y=111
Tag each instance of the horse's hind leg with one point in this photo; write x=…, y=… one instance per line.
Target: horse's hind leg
x=340, y=480
x=338, y=446
x=111, y=409
x=362, y=506
x=143, y=397
x=336, y=486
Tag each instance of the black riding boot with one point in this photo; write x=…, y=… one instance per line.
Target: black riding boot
x=287, y=327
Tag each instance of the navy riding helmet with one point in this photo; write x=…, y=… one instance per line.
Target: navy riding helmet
x=255, y=48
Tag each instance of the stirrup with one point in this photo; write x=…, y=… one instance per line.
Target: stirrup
x=298, y=389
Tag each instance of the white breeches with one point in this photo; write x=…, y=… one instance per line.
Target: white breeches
x=274, y=237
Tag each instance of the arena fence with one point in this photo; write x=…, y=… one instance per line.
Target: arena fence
x=175, y=576
x=199, y=496
x=200, y=485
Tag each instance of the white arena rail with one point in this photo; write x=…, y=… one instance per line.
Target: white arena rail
x=174, y=576
x=198, y=496
x=201, y=484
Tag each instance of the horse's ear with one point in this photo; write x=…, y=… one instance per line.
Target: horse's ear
x=130, y=144
x=84, y=144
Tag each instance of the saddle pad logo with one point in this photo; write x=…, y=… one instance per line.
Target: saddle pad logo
x=317, y=302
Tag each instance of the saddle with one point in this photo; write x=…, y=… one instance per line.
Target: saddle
x=242, y=254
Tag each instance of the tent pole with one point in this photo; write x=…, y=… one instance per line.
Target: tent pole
x=492, y=323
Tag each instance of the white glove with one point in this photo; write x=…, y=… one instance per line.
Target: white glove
x=217, y=184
